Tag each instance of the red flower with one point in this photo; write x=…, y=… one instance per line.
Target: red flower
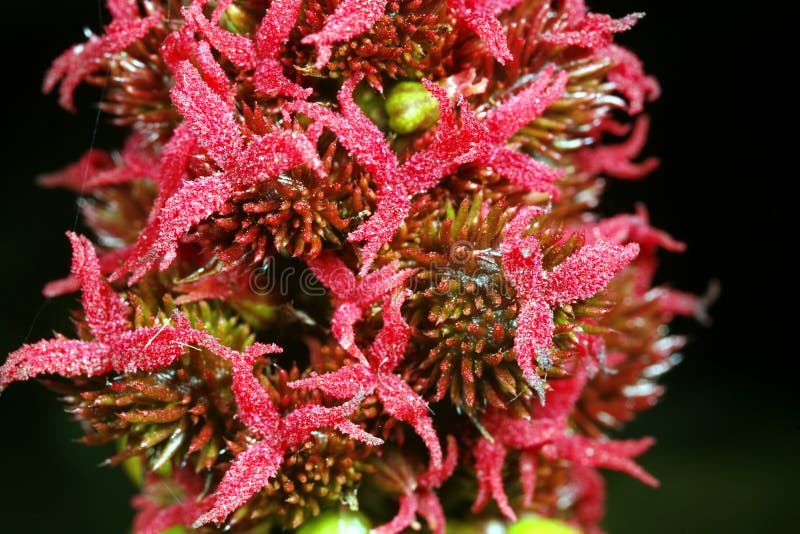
x=480, y=17
x=211, y=121
x=589, y=30
x=253, y=468
x=115, y=347
x=260, y=55
x=580, y=276
x=548, y=435
x=83, y=59
x=354, y=296
x=616, y=160
x=504, y=121
x=174, y=160
x=98, y=168
x=630, y=79
x=376, y=375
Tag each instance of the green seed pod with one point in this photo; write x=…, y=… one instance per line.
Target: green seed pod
x=336, y=522
x=540, y=525
x=411, y=108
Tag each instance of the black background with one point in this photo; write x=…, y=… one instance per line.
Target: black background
x=728, y=431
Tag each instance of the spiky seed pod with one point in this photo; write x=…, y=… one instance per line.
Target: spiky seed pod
x=463, y=312
x=297, y=215
x=414, y=38
x=182, y=413
x=324, y=471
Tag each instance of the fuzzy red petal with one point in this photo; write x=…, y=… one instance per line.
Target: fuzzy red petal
x=392, y=210
x=211, y=118
x=75, y=176
x=611, y=454
x=448, y=149
x=174, y=161
x=527, y=476
x=523, y=170
x=634, y=228
x=65, y=357
x=392, y=341
x=586, y=272
x=98, y=169
x=629, y=77
x=343, y=324
x=123, y=9
x=151, y=519
x=237, y=48
x=594, y=31
x=154, y=519
x=533, y=340
x=194, y=202
x=429, y=507
x=489, y=460
x=106, y=311
x=616, y=160
x=403, y=403
x=264, y=159
x=522, y=257
x=563, y=394
x=254, y=406
x=348, y=382
x=405, y=516
x=479, y=16
x=250, y=471
x=589, y=489
x=354, y=295
x=273, y=32
x=298, y=425
x=146, y=349
x=84, y=59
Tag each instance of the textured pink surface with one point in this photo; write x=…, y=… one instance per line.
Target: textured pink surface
x=82, y=60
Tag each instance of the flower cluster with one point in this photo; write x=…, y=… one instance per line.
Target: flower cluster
x=449, y=319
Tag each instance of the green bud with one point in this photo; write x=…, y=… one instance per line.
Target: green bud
x=336, y=522
x=177, y=529
x=411, y=108
x=541, y=525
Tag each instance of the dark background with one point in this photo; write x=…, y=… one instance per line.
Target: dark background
x=728, y=431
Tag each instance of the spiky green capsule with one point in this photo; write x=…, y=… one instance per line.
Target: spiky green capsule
x=411, y=107
x=336, y=522
x=540, y=525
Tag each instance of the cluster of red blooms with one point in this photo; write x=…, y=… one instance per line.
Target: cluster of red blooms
x=435, y=165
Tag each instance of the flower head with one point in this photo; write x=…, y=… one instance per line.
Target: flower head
x=452, y=222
